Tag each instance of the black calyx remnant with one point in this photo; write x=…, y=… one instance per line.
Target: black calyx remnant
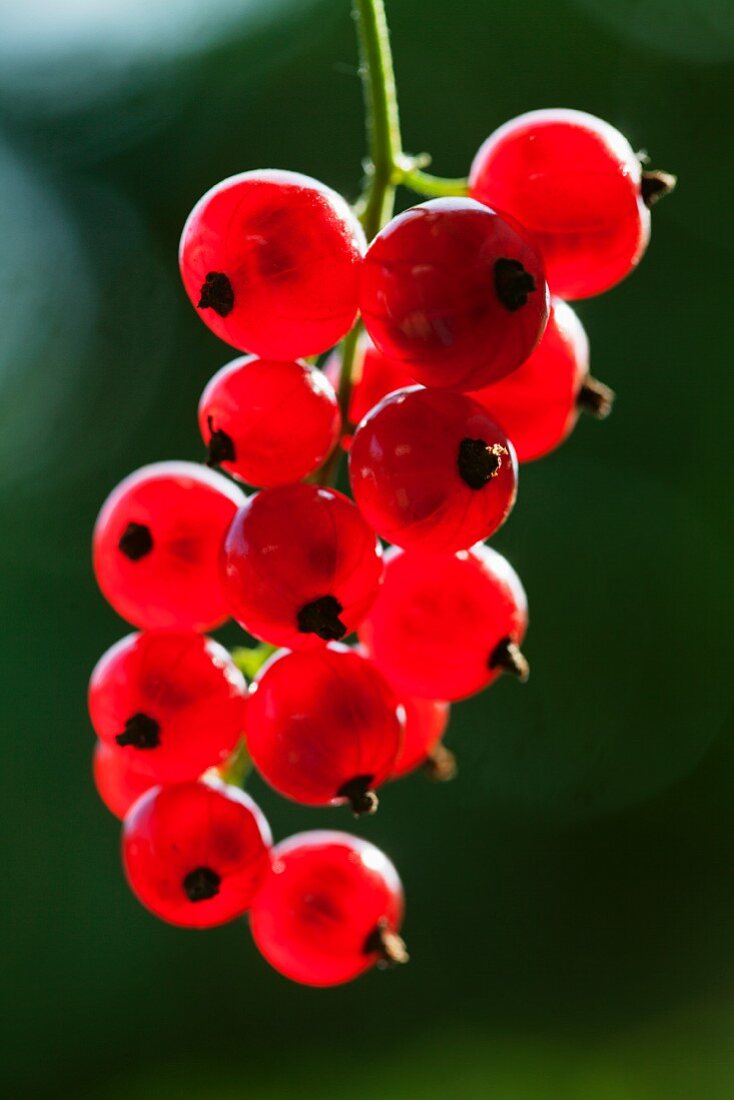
x=220, y=448
x=357, y=793
x=201, y=884
x=217, y=294
x=479, y=462
x=512, y=283
x=136, y=541
x=655, y=186
x=321, y=617
x=386, y=944
x=141, y=731
x=508, y=656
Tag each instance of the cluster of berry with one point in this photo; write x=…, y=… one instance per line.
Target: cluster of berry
x=467, y=365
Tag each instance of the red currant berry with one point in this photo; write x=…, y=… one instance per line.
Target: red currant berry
x=300, y=564
x=430, y=468
x=156, y=546
x=447, y=625
x=454, y=292
x=118, y=780
x=329, y=909
x=174, y=703
x=271, y=261
x=539, y=403
x=269, y=422
x=575, y=183
x=324, y=727
x=425, y=724
x=374, y=377
x=196, y=853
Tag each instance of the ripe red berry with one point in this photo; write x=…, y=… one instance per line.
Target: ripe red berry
x=324, y=727
x=269, y=422
x=431, y=469
x=454, y=292
x=329, y=909
x=156, y=546
x=196, y=853
x=447, y=625
x=425, y=724
x=539, y=403
x=173, y=703
x=575, y=183
x=300, y=564
x=374, y=377
x=271, y=261
x=118, y=780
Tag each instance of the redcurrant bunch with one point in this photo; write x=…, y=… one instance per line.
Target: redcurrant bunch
x=451, y=362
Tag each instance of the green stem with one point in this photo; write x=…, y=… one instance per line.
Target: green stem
x=435, y=187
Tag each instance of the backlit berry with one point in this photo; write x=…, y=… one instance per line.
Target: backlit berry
x=425, y=724
x=432, y=469
x=539, y=403
x=575, y=184
x=195, y=853
x=454, y=292
x=447, y=625
x=271, y=262
x=330, y=909
x=156, y=546
x=118, y=780
x=172, y=702
x=268, y=422
x=323, y=726
x=300, y=566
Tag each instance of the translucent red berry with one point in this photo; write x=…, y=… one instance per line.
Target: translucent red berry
x=447, y=625
x=575, y=184
x=425, y=724
x=323, y=727
x=539, y=403
x=271, y=262
x=454, y=292
x=330, y=909
x=172, y=702
x=118, y=779
x=300, y=565
x=269, y=422
x=156, y=546
x=196, y=853
x=430, y=468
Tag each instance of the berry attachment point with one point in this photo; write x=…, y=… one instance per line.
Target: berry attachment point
x=136, y=541
x=217, y=294
x=321, y=617
x=479, y=461
x=508, y=657
x=512, y=283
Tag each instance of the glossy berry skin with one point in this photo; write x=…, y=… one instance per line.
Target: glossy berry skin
x=195, y=853
x=300, y=566
x=324, y=727
x=271, y=262
x=538, y=404
x=454, y=292
x=425, y=724
x=118, y=780
x=173, y=703
x=326, y=906
x=269, y=422
x=442, y=623
x=156, y=546
x=431, y=469
x=574, y=183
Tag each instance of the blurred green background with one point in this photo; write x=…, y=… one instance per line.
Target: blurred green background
x=570, y=895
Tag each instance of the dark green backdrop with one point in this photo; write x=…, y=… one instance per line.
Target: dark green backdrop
x=571, y=895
